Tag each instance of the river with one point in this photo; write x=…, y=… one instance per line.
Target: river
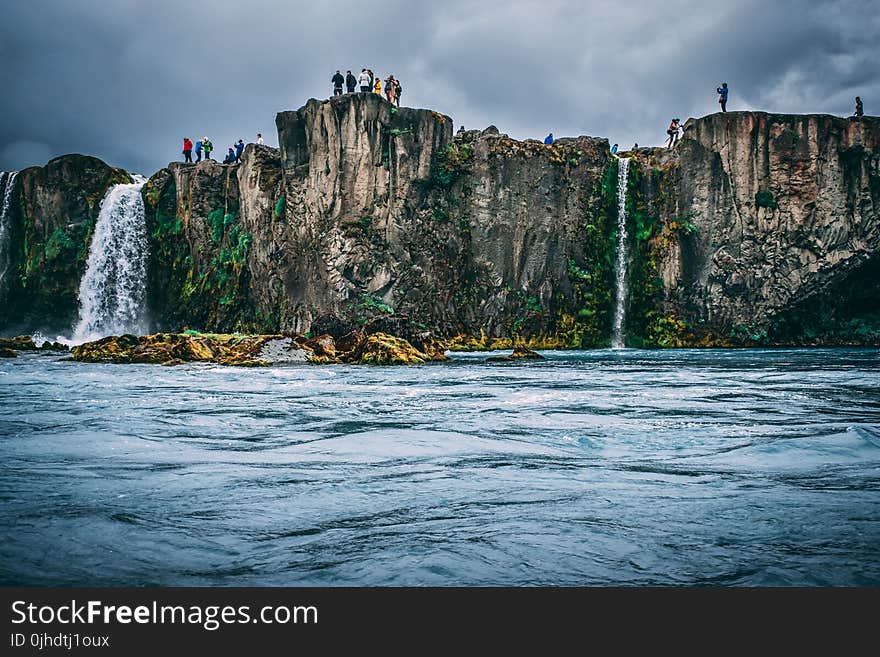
x=624, y=467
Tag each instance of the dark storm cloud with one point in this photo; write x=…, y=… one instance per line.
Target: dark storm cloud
x=126, y=80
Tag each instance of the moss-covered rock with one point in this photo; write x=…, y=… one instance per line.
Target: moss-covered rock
x=251, y=350
x=384, y=349
x=19, y=342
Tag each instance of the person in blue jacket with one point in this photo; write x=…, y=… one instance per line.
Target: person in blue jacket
x=198, y=151
x=548, y=139
x=239, y=148
x=722, y=96
x=614, y=149
x=230, y=157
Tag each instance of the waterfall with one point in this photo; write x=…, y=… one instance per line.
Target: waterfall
x=618, y=339
x=112, y=293
x=7, y=184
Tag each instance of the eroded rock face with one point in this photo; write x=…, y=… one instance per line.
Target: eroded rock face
x=54, y=209
x=781, y=212
x=390, y=211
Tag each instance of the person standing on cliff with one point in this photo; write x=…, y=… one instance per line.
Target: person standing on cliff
x=377, y=87
x=548, y=139
x=207, y=146
x=364, y=81
x=198, y=151
x=187, y=150
x=260, y=138
x=350, y=82
x=239, y=149
x=614, y=149
x=372, y=77
x=389, y=88
x=672, y=131
x=722, y=96
x=337, y=81
x=397, y=91
x=860, y=110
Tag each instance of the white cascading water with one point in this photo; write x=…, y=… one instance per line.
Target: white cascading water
x=617, y=337
x=7, y=183
x=112, y=293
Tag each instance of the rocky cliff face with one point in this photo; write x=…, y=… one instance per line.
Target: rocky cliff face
x=769, y=230
x=54, y=210
x=369, y=210
x=756, y=229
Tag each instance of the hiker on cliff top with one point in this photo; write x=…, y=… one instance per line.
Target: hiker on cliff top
x=389, y=88
x=397, y=91
x=364, y=81
x=230, y=157
x=548, y=139
x=722, y=96
x=198, y=151
x=337, y=81
x=187, y=150
x=350, y=82
x=372, y=77
x=207, y=146
x=614, y=149
x=260, y=138
x=860, y=110
x=672, y=131
x=377, y=87
x=239, y=149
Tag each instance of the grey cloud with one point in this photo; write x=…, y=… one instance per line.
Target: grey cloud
x=125, y=80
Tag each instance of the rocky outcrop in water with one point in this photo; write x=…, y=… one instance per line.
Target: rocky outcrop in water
x=253, y=350
x=54, y=209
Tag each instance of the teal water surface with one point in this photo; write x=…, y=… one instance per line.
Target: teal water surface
x=730, y=467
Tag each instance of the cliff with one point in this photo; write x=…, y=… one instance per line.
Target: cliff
x=775, y=231
x=756, y=229
x=379, y=210
x=54, y=209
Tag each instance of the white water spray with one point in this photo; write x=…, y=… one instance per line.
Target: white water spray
x=618, y=339
x=112, y=293
x=7, y=184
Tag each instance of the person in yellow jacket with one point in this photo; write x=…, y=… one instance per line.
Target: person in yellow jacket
x=378, y=86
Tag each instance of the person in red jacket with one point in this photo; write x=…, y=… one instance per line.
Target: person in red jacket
x=187, y=150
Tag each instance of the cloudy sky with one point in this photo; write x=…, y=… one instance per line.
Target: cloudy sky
x=125, y=80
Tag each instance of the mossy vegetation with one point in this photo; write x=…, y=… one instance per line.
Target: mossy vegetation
x=207, y=288
x=588, y=324
x=765, y=199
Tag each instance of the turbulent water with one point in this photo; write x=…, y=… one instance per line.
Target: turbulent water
x=7, y=185
x=606, y=467
x=112, y=293
x=618, y=339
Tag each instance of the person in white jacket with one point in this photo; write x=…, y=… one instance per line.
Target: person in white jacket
x=364, y=81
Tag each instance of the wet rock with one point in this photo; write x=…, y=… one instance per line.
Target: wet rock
x=520, y=352
x=54, y=346
x=348, y=343
x=322, y=345
x=384, y=349
x=6, y=352
x=20, y=342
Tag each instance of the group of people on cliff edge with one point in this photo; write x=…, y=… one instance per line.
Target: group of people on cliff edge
x=366, y=83
x=204, y=145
